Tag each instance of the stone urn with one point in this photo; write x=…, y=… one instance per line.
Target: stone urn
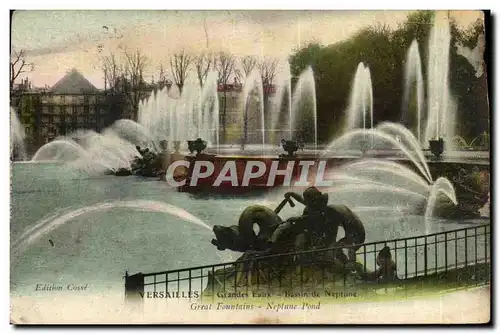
x=290, y=146
x=437, y=146
x=164, y=145
x=197, y=145
x=177, y=146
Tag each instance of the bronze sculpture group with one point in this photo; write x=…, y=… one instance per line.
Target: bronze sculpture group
x=285, y=245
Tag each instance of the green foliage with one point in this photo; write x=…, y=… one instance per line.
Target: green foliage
x=384, y=51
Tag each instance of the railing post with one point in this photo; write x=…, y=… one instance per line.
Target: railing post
x=406, y=259
x=134, y=287
x=435, y=255
x=425, y=255
x=446, y=252
x=466, y=250
x=475, y=253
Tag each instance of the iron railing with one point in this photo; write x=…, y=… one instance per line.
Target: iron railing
x=456, y=256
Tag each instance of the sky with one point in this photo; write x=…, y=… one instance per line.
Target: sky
x=57, y=41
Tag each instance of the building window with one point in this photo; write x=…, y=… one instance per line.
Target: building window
x=51, y=119
x=27, y=131
x=234, y=100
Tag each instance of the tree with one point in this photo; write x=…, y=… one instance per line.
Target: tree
x=18, y=65
x=134, y=80
x=124, y=82
x=248, y=63
x=180, y=64
x=267, y=68
x=113, y=72
x=225, y=66
x=203, y=64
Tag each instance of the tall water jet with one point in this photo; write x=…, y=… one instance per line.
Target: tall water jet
x=440, y=186
x=169, y=114
x=413, y=76
x=208, y=114
x=17, y=136
x=283, y=92
x=303, y=117
x=361, y=99
x=253, y=85
x=440, y=122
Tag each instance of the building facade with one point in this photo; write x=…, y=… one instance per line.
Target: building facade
x=72, y=103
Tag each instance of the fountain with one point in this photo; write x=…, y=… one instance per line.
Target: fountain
x=303, y=111
x=178, y=117
x=17, y=148
x=134, y=133
x=413, y=75
x=253, y=91
x=284, y=90
x=442, y=185
x=379, y=176
x=91, y=152
x=361, y=99
x=440, y=118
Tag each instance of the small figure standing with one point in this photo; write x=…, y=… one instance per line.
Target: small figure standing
x=387, y=270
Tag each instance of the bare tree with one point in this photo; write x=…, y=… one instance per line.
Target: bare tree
x=226, y=68
x=267, y=68
x=18, y=65
x=180, y=64
x=203, y=64
x=248, y=63
x=134, y=80
x=113, y=72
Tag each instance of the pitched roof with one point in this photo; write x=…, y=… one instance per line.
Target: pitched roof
x=73, y=83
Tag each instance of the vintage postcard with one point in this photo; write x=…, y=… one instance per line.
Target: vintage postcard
x=249, y=167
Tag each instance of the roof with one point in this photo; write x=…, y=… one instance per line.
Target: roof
x=72, y=83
